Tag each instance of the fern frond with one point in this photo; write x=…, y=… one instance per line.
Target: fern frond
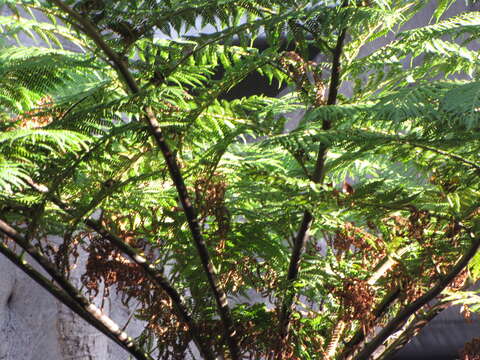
x=13, y=178
x=52, y=34
x=32, y=73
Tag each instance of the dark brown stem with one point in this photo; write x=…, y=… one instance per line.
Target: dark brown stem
x=359, y=335
x=413, y=329
x=411, y=309
x=91, y=31
x=158, y=279
x=192, y=219
x=70, y=296
x=300, y=240
x=153, y=274
x=121, y=67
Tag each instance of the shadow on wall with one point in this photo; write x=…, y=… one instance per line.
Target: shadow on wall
x=443, y=338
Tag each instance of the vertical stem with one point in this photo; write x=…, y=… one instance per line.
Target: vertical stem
x=192, y=219
x=121, y=67
x=318, y=174
x=335, y=339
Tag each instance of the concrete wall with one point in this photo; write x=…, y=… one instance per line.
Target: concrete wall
x=35, y=326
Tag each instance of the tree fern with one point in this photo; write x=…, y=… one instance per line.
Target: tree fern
x=196, y=205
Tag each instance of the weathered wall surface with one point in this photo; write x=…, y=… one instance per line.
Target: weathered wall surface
x=35, y=326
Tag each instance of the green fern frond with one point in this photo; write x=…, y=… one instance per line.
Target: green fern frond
x=13, y=178
x=52, y=141
x=52, y=34
x=32, y=73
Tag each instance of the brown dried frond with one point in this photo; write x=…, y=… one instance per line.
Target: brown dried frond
x=466, y=313
x=399, y=277
x=107, y=266
x=459, y=281
x=357, y=299
x=298, y=68
x=38, y=117
x=210, y=199
x=471, y=350
x=66, y=256
x=371, y=247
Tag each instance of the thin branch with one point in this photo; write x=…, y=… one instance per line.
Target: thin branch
x=159, y=279
x=411, y=309
x=443, y=152
x=190, y=213
x=413, y=329
x=317, y=176
x=359, y=336
x=70, y=296
x=153, y=274
x=384, y=266
x=337, y=332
